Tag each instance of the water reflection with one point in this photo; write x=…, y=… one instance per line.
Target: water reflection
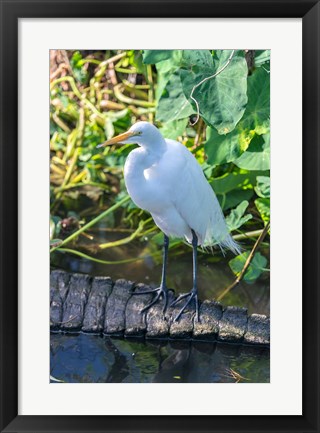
x=95, y=359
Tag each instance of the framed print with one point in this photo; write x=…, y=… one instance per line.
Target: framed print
x=174, y=305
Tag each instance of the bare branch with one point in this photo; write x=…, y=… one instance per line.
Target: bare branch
x=247, y=263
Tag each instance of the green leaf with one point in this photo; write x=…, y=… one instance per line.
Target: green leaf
x=233, y=188
x=231, y=181
x=263, y=186
x=173, y=105
x=236, y=219
x=52, y=228
x=165, y=69
x=79, y=72
x=222, y=99
x=55, y=242
x=261, y=57
x=221, y=149
x=227, y=148
x=257, y=114
x=174, y=129
x=263, y=206
x=255, y=269
x=154, y=56
x=197, y=59
x=257, y=157
x=233, y=198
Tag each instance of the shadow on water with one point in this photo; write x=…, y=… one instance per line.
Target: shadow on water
x=94, y=359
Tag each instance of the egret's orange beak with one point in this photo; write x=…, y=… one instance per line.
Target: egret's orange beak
x=117, y=139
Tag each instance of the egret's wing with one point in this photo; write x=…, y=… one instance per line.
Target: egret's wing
x=194, y=198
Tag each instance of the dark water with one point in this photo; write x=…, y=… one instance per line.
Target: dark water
x=89, y=358
x=94, y=359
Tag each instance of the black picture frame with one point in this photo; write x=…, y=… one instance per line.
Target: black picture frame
x=11, y=11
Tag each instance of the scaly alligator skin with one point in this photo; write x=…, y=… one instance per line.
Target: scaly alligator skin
x=80, y=302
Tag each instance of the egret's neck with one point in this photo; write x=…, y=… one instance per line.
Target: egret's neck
x=138, y=169
x=153, y=144
x=142, y=159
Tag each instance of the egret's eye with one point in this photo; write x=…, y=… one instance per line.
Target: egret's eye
x=139, y=132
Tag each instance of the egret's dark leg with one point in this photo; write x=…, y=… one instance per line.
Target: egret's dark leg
x=193, y=294
x=162, y=290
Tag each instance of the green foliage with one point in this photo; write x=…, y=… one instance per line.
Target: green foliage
x=255, y=269
x=155, y=56
x=222, y=148
x=244, y=146
x=236, y=218
x=257, y=114
x=233, y=188
x=173, y=105
x=225, y=95
x=262, y=57
x=257, y=156
x=236, y=109
x=231, y=140
x=180, y=73
x=263, y=186
x=263, y=206
x=174, y=129
x=80, y=73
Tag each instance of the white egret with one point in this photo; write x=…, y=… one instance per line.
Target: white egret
x=164, y=178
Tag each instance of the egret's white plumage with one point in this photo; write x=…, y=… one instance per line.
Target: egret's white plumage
x=164, y=178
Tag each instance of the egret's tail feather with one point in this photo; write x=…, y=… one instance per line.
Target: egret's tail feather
x=217, y=233
x=227, y=243
x=230, y=244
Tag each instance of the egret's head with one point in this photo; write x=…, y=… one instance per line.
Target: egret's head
x=143, y=133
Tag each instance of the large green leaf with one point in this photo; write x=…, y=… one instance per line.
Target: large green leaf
x=173, y=105
x=257, y=157
x=233, y=198
x=263, y=186
x=233, y=188
x=230, y=181
x=174, y=129
x=165, y=69
x=236, y=218
x=155, y=56
x=255, y=269
x=261, y=57
x=222, y=99
x=263, y=206
x=221, y=149
x=257, y=114
x=197, y=60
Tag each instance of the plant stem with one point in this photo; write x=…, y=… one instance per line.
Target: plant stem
x=247, y=235
x=128, y=238
x=77, y=92
x=150, y=91
x=104, y=262
x=247, y=263
x=92, y=222
x=127, y=100
x=79, y=185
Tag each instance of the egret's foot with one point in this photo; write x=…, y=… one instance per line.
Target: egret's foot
x=160, y=291
x=191, y=295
